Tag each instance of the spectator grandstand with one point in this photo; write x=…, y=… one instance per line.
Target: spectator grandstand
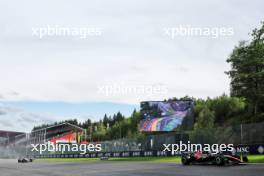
x=15, y=144
x=8, y=137
x=60, y=132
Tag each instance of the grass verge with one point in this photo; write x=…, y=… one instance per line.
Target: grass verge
x=146, y=159
x=256, y=158
x=175, y=159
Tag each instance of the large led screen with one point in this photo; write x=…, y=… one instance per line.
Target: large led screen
x=163, y=115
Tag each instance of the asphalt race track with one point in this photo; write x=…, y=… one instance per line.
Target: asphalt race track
x=107, y=168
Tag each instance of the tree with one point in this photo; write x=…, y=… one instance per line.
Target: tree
x=205, y=119
x=100, y=132
x=203, y=128
x=247, y=71
x=105, y=120
x=135, y=119
x=119, y=117
x=86, y=124
x=225, y=108
x=72, y=121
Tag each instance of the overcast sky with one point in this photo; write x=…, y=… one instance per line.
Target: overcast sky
x=132, y=51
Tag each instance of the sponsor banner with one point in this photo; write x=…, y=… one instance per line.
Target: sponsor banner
x=240, y=149
x=250, y=149
x=108, y=154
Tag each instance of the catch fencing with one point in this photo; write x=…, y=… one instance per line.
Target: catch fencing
x=247, y=135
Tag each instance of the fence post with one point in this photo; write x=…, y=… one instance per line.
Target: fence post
x=241, y=133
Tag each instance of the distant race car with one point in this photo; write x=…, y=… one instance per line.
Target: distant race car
x=210, y=158
x=25, y=160
x=104, y=158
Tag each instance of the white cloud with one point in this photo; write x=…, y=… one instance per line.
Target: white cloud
x=15, y=119
x=132, y=48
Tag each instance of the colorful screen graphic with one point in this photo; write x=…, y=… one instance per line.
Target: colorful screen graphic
x=163, y=116
x=66, y=138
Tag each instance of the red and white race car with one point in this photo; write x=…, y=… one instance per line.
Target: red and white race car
x=210, y=158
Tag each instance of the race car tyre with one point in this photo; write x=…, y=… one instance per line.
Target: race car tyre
x=185, y=160
x=245, y=159
x=219, y=161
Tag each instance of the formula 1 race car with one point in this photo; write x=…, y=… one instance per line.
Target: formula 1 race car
x=25, y=160
x=210, y=158
x=103, y=158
